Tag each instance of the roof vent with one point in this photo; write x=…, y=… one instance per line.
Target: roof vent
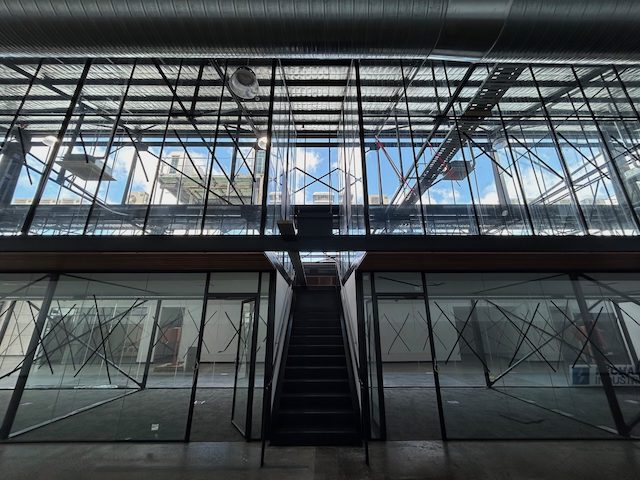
x=244, y=83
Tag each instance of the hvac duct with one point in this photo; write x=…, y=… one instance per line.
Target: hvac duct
x=495, y=30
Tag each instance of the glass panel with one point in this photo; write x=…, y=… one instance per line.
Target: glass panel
x=216, y=372
x=32, y=129
x=377, y=426
x=513, y=353
x=261, y=349
x=614, y=305
x=407, y=369
x=83, y=169
x=241, y=384
x=21, y=297
x=115, y=361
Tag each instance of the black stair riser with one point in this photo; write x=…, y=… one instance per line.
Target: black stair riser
x=316, y=349
x=316, y=420
x=320, y=373
x=324, y=386
x=316, y=322
x=316, y=360
x=316, y=340
x=304, y=330
x=303, y=438
x=317, y=401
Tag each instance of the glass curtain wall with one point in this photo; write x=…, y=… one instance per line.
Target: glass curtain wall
x=135, y=147
x=412, y=147
x=114, y=357
x=454, y=149
x=517, y=355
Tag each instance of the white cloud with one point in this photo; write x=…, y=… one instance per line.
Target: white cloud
x=307, y=159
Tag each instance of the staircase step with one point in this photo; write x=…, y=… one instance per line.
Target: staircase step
x=316, y=360
x=320, y=372
x=315, y=386
x=316, y=400
x=315, y=437
x=316, y=313
x=309, y=418
x=316, y=339
x=317, y=322
x=316, y=349
x=315, y=330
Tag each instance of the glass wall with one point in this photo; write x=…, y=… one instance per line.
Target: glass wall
x=21, y=298
x=109, y=357
x=512, y=356
x=132, y=147
x=178, y=147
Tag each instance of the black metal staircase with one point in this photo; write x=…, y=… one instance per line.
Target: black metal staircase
x=315, y=402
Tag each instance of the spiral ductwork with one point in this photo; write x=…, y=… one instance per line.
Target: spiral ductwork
x=496, y=30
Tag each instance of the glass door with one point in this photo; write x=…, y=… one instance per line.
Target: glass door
x=242, y=379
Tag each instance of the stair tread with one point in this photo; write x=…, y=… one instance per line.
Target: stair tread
x=318, y=367
x=332, y=430
x=316, y=395
x=307, y=335
x=330, y=355
x=323, y=411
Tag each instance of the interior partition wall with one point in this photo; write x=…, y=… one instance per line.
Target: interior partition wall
x=502, y=355
x=117, y=357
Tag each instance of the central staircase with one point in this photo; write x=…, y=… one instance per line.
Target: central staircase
x=315, y=399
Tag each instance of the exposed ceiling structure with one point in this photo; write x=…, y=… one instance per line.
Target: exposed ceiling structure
x=476, y=30
x=314, y=92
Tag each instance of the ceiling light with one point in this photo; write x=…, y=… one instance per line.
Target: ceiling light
x=263, y=141
x=244, y=83
x=50, y=140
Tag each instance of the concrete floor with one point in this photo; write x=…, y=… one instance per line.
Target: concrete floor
x=577, y=460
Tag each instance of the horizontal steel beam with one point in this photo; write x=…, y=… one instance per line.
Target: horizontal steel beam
x=370, y=243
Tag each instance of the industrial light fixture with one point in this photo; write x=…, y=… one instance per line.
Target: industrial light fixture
x=263, y=141
x=50, y=140
x=244, y=83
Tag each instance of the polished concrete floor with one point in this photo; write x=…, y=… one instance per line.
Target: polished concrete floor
x=577, y=460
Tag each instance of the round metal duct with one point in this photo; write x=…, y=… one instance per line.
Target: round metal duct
x=500, y=30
